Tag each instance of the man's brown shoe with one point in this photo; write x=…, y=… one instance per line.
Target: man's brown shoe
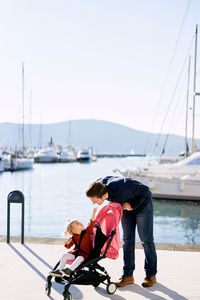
x=149, y=281
x=124, y=281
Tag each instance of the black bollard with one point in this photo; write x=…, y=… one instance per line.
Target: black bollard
x=15, y=197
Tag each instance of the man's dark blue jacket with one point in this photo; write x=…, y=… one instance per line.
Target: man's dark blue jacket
x=126, y=189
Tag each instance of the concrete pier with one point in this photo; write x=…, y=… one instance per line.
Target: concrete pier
x=23, y=271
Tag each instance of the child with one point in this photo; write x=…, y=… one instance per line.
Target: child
x=81, y=238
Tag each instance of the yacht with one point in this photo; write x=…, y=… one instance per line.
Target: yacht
x=67, y=155
x=180, y=180
x=47, y=155
x=84, y=155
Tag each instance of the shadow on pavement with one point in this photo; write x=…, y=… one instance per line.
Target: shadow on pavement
x=38, y=257
x=103, y=293
x=148, y=292
x=77, y=294
x=165, y=290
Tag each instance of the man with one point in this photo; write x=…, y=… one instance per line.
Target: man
x=136, y=200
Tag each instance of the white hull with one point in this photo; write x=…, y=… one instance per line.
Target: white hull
x=45, y=159
x=18, y=164
x=170, y=159
x=6, y=164
x=171, y=181
x=177, y=188
x=46, y=156
x=66, y=160
x=84, y=156
x=67, y=157
x=24, y=163
x=1, y=166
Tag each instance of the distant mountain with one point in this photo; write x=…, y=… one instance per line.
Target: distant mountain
x=103, y=136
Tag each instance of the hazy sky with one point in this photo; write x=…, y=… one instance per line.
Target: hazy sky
x=104, y=59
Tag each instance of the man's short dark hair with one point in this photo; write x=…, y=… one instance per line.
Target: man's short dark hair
x=96, y=189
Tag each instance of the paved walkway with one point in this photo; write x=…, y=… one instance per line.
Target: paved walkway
x=23, y=271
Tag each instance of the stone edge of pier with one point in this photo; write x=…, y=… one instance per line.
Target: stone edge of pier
x=60, y=241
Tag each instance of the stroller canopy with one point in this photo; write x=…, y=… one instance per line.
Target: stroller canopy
x=108, y=219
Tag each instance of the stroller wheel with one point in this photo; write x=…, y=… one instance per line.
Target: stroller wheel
x=48, y=289
x=111, y=288
x=68, y=296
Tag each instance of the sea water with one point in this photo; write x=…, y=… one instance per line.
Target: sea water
x=55, y=194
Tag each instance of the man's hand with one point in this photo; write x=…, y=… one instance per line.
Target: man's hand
x=127, y=206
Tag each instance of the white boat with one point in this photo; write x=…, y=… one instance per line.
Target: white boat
x=24, y=163
x=169, y=159
x=185, y=188
x=15, y=162
x=84, y=155
x=46, y=156
x=67, y=156
x=6, y=159
x=1, y=165
x=179, y=180
x=19, y=160
x=171, y=181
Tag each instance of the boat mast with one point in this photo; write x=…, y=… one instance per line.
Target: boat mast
x=69, y=133
x=186, y=119
x=194, y=89
x=30, y=133
x=23, y=108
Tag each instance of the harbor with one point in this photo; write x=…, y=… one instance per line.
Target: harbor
x=100, y=150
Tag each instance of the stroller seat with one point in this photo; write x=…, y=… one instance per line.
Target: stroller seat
x=90, y=272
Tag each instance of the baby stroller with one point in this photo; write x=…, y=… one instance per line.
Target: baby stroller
x=106, y=243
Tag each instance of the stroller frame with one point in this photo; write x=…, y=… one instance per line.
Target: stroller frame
x=80, y=276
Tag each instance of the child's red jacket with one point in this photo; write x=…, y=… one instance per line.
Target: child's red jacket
x=86, y=243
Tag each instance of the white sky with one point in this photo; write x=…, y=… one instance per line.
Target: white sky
x=89, y=59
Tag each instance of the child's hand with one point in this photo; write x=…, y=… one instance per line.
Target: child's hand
x=93, y=214
x=95, y=210
x=68, y=241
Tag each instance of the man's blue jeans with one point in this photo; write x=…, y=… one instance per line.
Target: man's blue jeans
x=144, y=222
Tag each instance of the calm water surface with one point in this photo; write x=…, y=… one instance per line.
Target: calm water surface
x=55, y=193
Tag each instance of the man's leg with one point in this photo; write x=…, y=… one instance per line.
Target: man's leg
x=144, y=221
x=128, y=226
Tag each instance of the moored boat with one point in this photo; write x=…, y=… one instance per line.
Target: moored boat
x=180, y=180
x=84, y=155
x=46, y=156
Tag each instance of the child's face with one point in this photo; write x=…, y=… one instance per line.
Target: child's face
x=77, y=227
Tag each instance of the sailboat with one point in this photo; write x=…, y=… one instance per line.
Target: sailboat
x=18, y=160
x=68, y=153
x=179, y=180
